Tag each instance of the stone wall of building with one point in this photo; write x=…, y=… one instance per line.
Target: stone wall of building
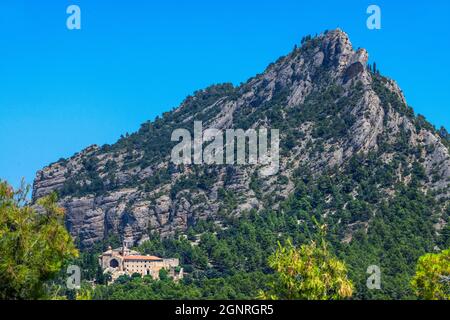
x=123, y=261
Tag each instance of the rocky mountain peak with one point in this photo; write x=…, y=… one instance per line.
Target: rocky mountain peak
x=332, y=111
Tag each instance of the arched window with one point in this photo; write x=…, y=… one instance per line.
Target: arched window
x=113, y=263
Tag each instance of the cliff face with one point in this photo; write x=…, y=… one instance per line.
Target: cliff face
x=326, y=102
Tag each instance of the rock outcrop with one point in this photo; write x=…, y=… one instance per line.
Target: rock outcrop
x=131, y=188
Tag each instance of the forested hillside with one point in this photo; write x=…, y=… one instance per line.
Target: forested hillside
x=354, y=157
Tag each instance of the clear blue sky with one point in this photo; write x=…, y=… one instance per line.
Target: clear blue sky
x=62, y=90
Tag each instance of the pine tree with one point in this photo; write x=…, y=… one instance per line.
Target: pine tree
x=310, y=272
x=432, y=278
x=33, y=246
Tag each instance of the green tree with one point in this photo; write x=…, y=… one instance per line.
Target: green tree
x=310, y=272
x=163, y=275
x=85, y=293
x=432, y=278
x=33, y=245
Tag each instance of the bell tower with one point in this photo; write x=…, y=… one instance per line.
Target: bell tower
x=125, y=248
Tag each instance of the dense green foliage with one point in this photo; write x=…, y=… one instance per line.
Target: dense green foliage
x=33, y=246
x=432, y=278
x=307, y=273
x=400, y=231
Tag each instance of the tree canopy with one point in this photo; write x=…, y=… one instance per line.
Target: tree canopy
x=432, y=278
x=33, y=243
x=310, y=272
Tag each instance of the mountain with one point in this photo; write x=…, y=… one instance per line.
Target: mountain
x=326, y=102
x=353, y=156
x=349, y=144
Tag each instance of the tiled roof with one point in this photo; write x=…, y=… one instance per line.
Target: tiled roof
x=143, y=258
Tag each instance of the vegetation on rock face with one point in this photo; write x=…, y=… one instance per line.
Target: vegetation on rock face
x=213, y=258
x=385, y=204
x=34, y=245
x=391, y=232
